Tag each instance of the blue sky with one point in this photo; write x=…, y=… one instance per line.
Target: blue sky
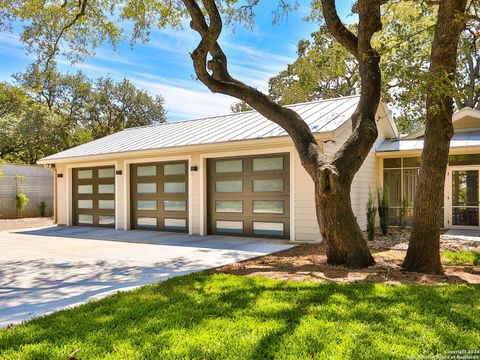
x=163, y=66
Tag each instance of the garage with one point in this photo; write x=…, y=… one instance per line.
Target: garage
x=94, y=196
x=249, y=196
x=159, y=196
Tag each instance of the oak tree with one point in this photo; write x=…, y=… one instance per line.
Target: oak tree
x=81, y=25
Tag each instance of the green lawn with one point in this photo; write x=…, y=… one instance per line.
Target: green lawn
x=460, y=258
x=205, y=316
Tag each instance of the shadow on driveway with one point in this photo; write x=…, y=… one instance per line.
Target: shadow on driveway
x=45, y=270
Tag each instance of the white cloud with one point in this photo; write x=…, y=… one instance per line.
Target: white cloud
x=187, y=103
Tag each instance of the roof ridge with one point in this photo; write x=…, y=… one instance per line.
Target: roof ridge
x=232, y=114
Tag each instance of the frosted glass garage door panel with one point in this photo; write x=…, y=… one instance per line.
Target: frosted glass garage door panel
x=85, y=174
x=106, y=204
x=85, y=204
x=231, y=227
x=150, y=170
x=268, y=164
x=85, y=219
x=147, y=188
x=106, y=220
x=106, y=173
x=175, y=224
x=85, y=189
x=268, y=228
x=229, y=166
x=147, y=222
x=106, y=189
x=174, y=169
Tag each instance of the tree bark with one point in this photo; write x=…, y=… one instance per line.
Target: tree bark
x=423, y=253
x=332, y=175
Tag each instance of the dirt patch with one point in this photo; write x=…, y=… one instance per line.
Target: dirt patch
x=308, y=262
x=15, y=224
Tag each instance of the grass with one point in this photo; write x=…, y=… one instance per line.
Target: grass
x=204, y=316
x=460, y=258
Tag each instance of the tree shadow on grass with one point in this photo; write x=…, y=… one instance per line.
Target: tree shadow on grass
x=222, y=316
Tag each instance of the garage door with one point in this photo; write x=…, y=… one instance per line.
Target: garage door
x=249, y=196
x=159, y=196
x=94, y=196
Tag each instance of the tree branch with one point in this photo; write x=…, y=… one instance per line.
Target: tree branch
x=220, y=81
x=82, y=6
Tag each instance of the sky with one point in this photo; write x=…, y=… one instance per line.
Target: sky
x=163, y=65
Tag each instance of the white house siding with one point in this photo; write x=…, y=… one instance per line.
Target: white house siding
x=366, y=178
x=306, y=225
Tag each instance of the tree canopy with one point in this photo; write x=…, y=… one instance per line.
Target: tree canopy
x=405, y=45
x=78, y=108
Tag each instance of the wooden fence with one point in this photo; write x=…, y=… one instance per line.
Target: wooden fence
x=35, y=181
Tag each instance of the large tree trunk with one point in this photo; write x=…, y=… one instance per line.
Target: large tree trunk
x=343, y=238
x=332, y=175
x=423, y=253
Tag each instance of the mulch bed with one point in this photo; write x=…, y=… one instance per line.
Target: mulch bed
x=307, y=262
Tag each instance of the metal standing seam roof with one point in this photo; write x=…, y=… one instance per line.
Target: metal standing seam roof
x=321, y=116
x=462, y=139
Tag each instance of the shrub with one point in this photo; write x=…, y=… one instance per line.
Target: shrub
x=383, y=209
x=371, y=214
x=21, y=202
x=42, y=208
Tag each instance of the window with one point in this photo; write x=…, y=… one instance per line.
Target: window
x=175, y=224
x=234, y=186
x=230, y=227
x=85, y=219
x=147, y=205
x=268, y=185
x=267, y=228
x=175, y=205
x=106, y=204
x=400, y=177
x=149, y=170
x=392, y=181
x=268, y=164
x=392, y=163
x=106, y=220
x=85, y=189
x=174, y=169
x=229, y=166
x=466, y=159
x=148, y=188
x=229, y=206
x=85, y=174
x=106, y=173
x=174, y=187
x=268, y=207
x=85, y=204
x=106, y=189
x=147, y=222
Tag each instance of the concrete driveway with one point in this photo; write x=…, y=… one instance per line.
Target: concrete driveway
x=45, y=270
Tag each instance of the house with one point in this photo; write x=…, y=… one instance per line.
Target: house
x=399, y=161
x=236, y=174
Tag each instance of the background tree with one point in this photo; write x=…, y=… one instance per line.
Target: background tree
x=78, y=108
x=318, y=72
x=82, y=25
x=423, y=254
x=405, y=45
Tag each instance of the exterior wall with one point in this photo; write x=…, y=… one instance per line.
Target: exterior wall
x=303, y=221
x=367, y=177
x=306, y=224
